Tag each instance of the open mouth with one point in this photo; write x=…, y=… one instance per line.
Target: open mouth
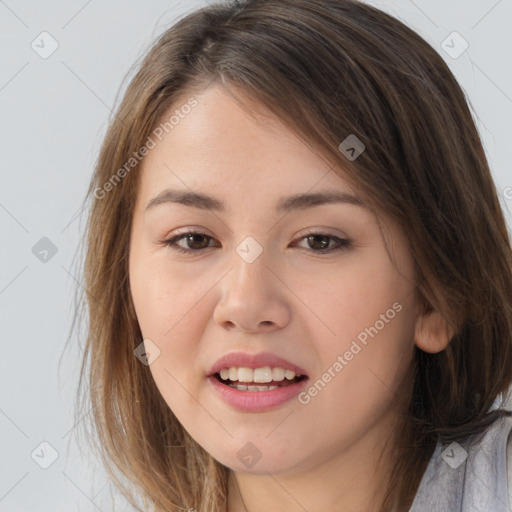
x=259, y=386
x=253, y=388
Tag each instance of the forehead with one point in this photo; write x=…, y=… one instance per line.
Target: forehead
x=218, y=145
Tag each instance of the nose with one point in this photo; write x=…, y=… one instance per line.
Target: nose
x=253, y=297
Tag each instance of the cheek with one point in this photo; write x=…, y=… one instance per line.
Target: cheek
x=170, y=313
x=351, y=298
x=366, y=339
x=165, y=300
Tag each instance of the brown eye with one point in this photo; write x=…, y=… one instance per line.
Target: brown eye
x=194, y=242
x=320, y=243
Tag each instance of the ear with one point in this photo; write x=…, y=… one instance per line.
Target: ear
x=432, y=332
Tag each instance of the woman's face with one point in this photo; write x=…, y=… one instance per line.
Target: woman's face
x=254, y=286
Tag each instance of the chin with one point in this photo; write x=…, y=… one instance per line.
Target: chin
x=246, y=457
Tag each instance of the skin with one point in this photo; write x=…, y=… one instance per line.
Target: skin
x=303, y=306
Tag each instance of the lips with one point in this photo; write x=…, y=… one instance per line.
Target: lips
x=276, y=381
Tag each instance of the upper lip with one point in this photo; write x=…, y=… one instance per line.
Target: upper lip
x=261, y=359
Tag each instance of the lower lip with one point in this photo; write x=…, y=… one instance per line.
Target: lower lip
x=257, y=401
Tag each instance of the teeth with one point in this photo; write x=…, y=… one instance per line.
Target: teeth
x=278, y=374
x=242, y=387
x=244, y=374
x=261, y=375
x=289, y=374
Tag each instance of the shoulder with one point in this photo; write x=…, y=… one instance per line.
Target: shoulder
x=472, y=475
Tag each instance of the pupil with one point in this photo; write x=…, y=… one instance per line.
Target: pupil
x=192, y=239
x=323, y=245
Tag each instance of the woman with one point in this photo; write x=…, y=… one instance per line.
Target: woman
x=299, y=276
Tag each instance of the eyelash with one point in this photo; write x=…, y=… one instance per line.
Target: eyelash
x=343, y=244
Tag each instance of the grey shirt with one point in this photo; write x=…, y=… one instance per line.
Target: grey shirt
x=470, y=476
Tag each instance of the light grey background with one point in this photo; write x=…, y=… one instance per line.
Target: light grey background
x=54, y=113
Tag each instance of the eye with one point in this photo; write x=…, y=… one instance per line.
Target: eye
x=195, y=238
x=321, y=242
x=196, y=241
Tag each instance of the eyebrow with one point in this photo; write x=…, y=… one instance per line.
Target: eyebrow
x=285, y=204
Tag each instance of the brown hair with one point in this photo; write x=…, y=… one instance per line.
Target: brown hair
x=327, y=68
